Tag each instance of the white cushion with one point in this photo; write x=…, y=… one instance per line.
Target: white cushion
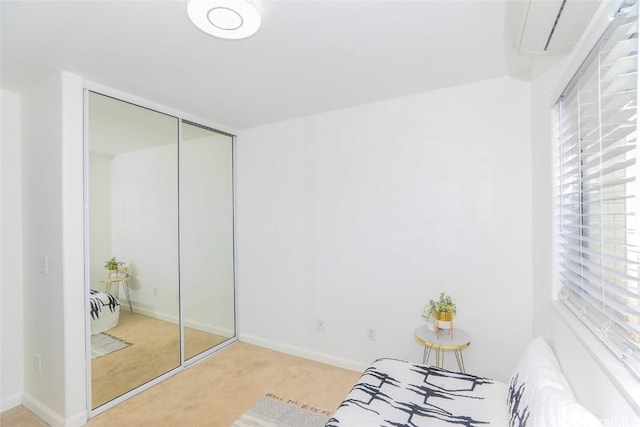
x=540, y=396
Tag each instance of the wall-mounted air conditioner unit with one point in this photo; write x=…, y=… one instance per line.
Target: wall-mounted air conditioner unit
x=548, y=26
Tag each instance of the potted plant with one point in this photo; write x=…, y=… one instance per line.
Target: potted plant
x=113, y=264
x=441, y=310
x=113, y=267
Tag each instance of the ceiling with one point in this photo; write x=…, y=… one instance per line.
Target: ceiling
x=308, y=56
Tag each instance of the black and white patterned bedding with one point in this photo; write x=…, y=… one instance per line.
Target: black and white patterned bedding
x=394, y=393
x=104, y=310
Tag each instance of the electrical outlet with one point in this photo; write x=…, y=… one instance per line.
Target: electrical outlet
x=320, y=325
x=371, y=334
x=155, y=292
x=37, y=363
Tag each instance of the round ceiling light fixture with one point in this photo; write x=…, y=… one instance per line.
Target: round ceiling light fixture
x=228, y=19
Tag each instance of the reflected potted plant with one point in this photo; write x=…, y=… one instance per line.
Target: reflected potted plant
x=113, y=267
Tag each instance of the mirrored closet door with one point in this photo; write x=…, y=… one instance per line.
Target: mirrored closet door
x=206, y=238
x=159, y=236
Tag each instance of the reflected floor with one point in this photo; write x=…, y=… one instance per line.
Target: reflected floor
x=154, y=351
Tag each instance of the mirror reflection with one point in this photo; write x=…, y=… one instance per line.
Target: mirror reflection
x=160, y=243
x=206, y=238
x=133, y=245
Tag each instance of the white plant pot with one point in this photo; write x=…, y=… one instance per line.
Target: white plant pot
x=444, y=325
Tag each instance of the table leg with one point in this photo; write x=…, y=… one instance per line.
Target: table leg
x=459, y=359
x=439, y=357
x=126, y=291
x=426, y=354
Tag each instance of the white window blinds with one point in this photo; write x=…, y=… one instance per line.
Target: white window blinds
x=599, y=185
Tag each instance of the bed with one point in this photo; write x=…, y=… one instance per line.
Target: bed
x=104, y=310
x=394, y=393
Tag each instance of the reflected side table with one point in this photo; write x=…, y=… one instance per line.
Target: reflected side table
x=457, y=343
x=119, y=281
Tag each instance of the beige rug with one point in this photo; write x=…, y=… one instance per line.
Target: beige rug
x=103, y=344
x=273, y=411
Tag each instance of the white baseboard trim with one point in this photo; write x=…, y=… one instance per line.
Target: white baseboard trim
x=45, y=413
x=77, y=420
x=10, y=402
x=338, y=362
x=50, y=417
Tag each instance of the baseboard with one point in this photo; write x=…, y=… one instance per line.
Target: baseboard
x=43, y=412
x=10, y=402
x=77, y=420
x=305, y=353
x=50, y=417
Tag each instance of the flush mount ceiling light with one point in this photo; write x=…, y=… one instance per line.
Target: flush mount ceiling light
x=228, y=19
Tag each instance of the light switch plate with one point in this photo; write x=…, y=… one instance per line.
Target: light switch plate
x=43, y=264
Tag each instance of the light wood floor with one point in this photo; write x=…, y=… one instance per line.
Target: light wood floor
x=216, y=391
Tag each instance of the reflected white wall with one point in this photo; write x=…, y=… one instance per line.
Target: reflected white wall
x=99, y=217
x=206, y=216
x=144, y=227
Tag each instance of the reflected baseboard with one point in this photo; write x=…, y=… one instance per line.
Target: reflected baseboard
x=225, y=332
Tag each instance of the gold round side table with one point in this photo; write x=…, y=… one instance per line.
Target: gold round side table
x=459, y=341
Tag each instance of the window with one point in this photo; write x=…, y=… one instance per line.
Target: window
x=599, y=190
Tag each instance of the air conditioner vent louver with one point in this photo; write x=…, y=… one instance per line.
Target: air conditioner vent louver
x=550, y=26
x=555, y=24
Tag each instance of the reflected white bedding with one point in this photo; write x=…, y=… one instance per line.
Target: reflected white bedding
x=104, y=310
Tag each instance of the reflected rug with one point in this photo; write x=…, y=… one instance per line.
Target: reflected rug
x=103, y=344
x=273, y=411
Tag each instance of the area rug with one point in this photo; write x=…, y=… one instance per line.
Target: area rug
x=273, y=411
x=103, y=344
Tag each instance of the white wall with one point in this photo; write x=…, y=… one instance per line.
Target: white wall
x=72, y=148
x=593, y=387
x=359, y=216
x=11, y=321
x=52, y=226
x=42, y=233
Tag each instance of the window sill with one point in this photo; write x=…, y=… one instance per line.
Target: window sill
x=613, y=368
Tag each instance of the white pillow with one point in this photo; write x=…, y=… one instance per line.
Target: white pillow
x=540, y=396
